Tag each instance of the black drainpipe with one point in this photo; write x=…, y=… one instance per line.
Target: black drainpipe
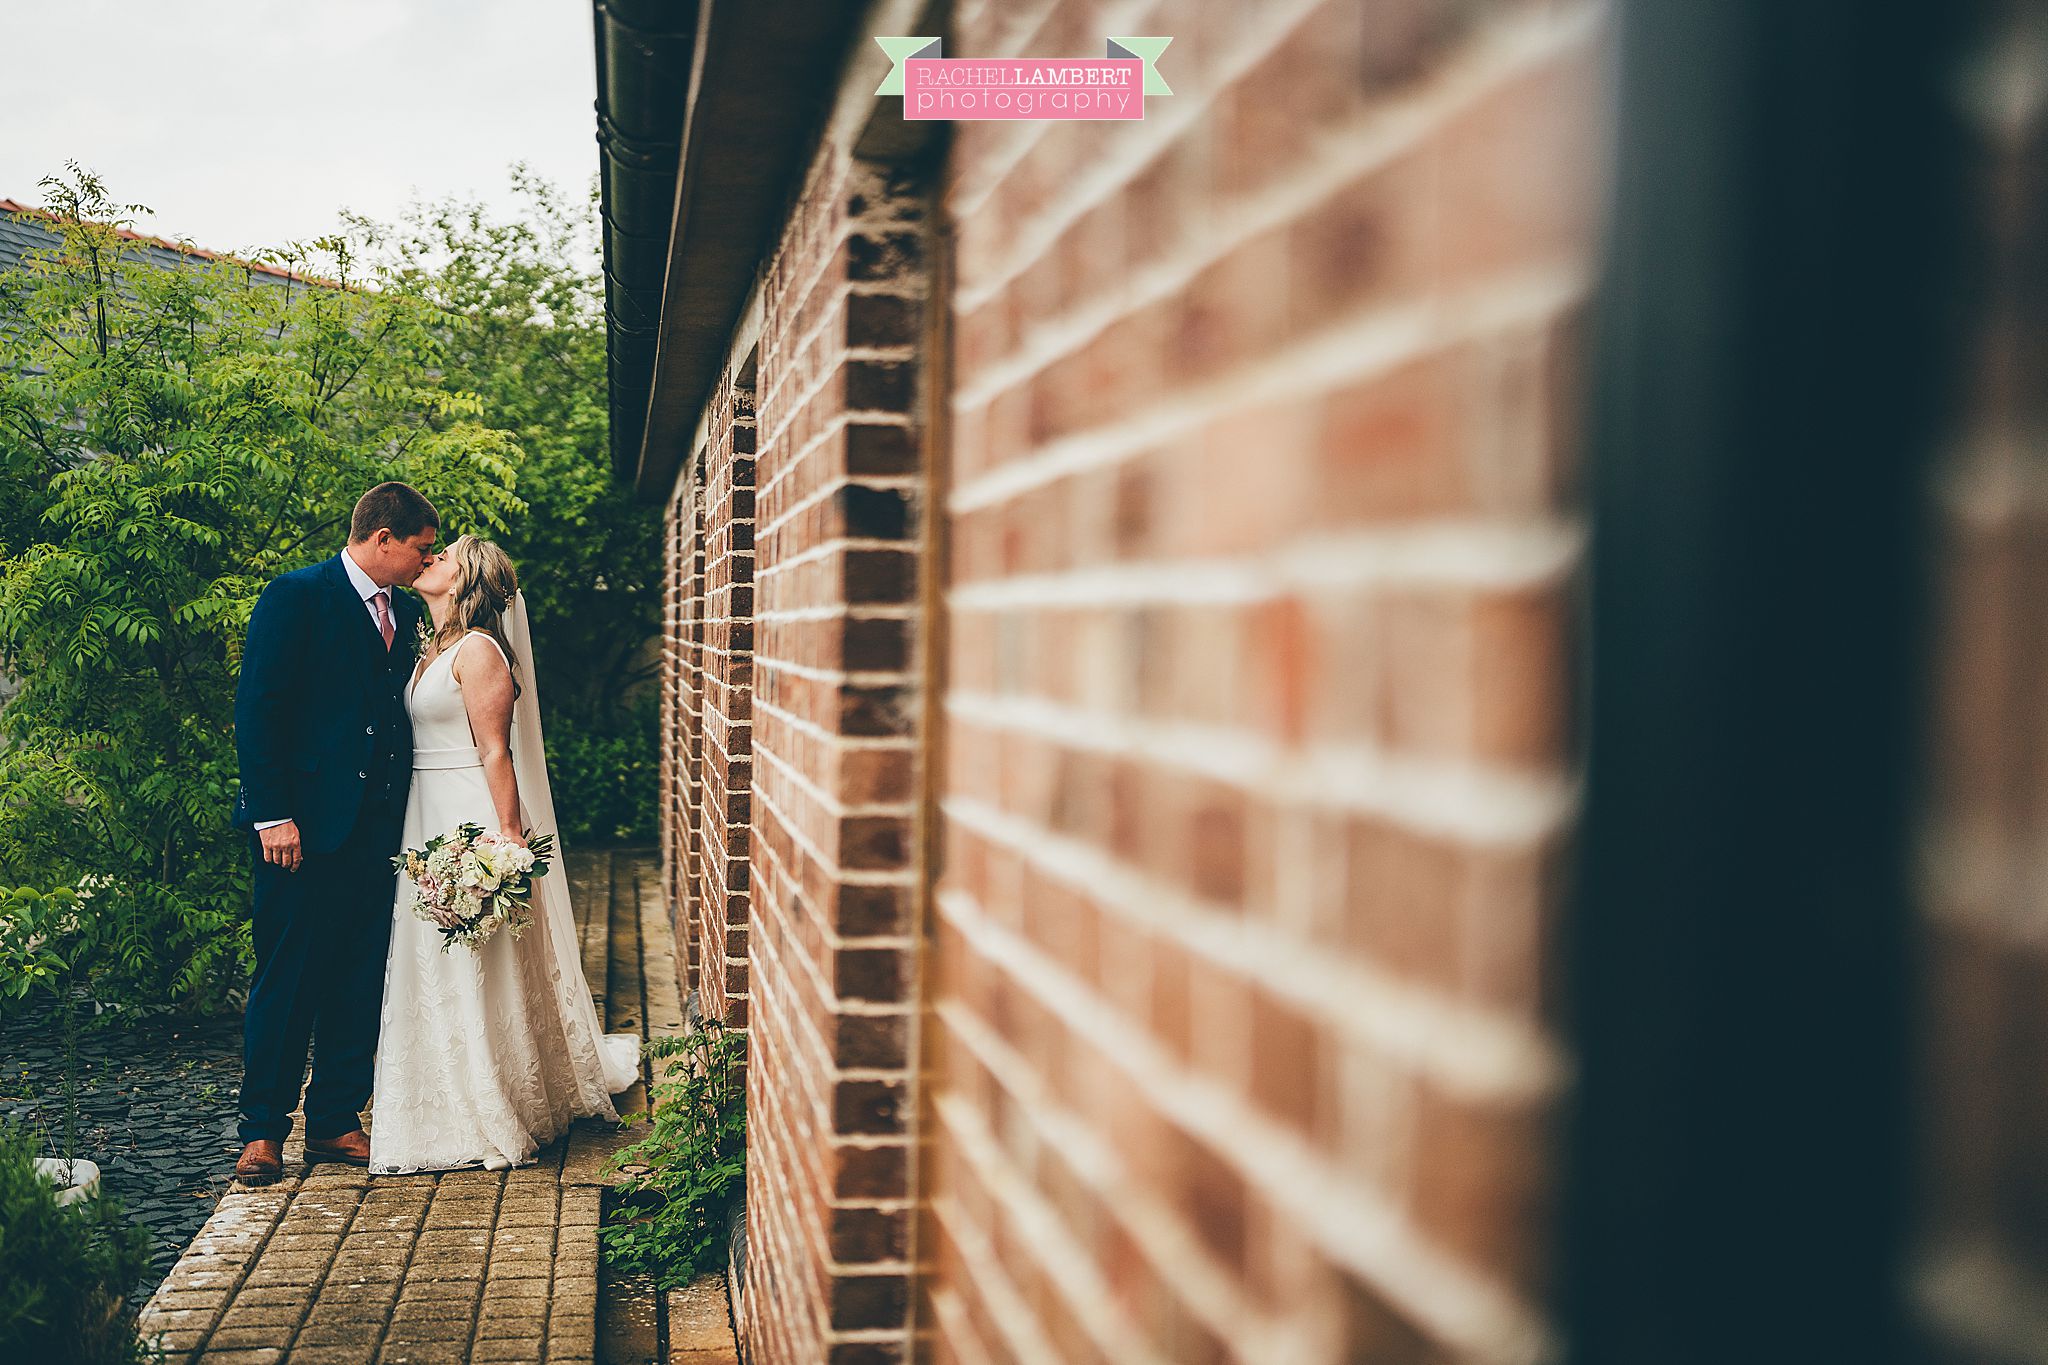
x=643, y=80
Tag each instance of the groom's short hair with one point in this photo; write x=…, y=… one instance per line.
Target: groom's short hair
x=399, y=506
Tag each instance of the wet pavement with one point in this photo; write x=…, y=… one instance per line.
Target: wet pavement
x=156, y=1111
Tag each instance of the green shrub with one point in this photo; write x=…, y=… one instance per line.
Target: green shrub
x=171, y=439
x=42, y=935
x=532, y=347
x=65, y=1270
x=604, y=776
x=40, y=932
x=674, y=1215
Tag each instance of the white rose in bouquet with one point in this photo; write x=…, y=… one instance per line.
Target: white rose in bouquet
x=471, y=882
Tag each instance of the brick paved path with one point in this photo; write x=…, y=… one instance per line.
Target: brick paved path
x=333, y=1267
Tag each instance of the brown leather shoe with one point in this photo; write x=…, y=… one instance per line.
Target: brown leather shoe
x=261, y=1162
x=351, y=1148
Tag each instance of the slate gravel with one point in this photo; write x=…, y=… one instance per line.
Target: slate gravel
x=156, y=1110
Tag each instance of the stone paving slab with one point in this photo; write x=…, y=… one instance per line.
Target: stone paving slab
x=700, y=1323
x=332, y=1266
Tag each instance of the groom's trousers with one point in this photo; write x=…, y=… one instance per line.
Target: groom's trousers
x=321, y=935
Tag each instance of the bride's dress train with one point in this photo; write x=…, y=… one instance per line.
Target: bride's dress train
x=484, y=1054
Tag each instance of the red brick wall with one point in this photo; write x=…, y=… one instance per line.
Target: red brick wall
x=830, y=969
x=668, y=808
x=695, y=694
x=1259, y=774
x=726, y=493
x=1230, y=979
x=675, y=804
x=1982, y=1273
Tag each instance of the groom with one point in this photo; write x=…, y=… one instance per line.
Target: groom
x=326, y=755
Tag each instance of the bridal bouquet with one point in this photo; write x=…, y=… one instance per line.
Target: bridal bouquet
x=472, y=883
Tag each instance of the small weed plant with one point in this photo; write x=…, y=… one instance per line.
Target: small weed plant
x=686, y=1176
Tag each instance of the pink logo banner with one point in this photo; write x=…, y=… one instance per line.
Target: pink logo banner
x=1023, y=88
x=1007, y=88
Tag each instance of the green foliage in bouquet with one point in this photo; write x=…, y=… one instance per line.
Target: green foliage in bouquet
x=438, y=874
x=65, y=1270
x=686, y=1177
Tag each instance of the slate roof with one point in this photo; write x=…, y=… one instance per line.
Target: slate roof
x=19, y=236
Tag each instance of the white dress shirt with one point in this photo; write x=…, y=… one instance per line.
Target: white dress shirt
x=366, y=588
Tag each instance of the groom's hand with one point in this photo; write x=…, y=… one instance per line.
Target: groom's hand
x=281, y=845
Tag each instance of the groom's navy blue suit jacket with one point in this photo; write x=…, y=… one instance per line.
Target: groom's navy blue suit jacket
x=320, y=716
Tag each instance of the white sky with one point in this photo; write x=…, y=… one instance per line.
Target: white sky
x=250, y=123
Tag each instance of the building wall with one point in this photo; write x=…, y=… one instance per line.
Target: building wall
x=671, y=817
x=726, y=492
x=1241, y=550
x=810, y=489
x=835, y=744
x=1262, y=544
x=680, y=800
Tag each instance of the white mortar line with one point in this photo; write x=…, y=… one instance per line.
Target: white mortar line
x=822, y=735
x=784, y=467
x=826, y=800
x=1492, y=555
x=784, y=408
x=825, y=549
x=845, y=875
x=796, y=1017
x=904, y=678
x=833, y=611
x=830, y=488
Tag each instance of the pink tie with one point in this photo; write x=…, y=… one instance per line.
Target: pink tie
x=383, y=615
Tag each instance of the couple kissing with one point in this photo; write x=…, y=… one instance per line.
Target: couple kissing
x=370, y=720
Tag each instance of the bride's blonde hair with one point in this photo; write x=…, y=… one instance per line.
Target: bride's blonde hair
x=485, y=582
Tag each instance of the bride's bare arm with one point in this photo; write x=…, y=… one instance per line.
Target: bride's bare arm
x=487, y=696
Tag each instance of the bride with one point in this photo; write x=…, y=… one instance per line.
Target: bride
x=484, y=1054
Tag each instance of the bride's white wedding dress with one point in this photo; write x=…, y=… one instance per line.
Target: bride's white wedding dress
x=484, y=1054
